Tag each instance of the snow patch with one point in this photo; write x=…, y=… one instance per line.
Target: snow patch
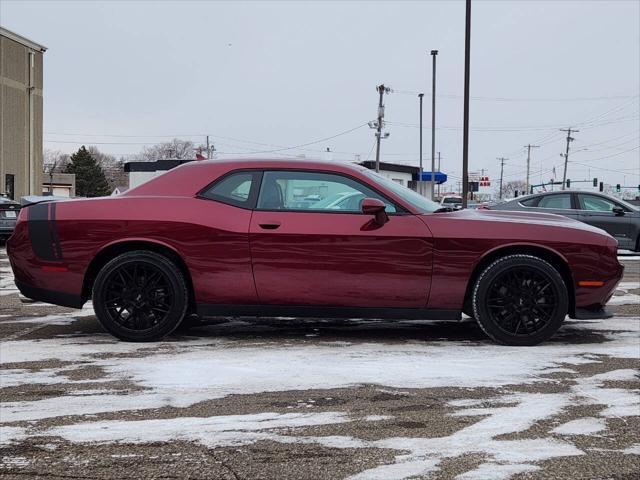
x=496, y=471
x=581, y=426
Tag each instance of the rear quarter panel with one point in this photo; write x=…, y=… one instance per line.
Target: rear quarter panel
x=211, y=238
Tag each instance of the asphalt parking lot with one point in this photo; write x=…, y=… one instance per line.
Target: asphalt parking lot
x=294, y=399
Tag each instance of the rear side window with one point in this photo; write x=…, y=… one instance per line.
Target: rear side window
x=560, y=200
x=238, y=189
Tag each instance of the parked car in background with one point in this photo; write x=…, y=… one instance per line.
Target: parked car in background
x=221, y=238
x=340, y=201
x=8, y=216
x=617, y=217
x=452, y=201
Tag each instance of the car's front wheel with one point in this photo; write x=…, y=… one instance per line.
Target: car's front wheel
x=140, y=296
x=520, y=300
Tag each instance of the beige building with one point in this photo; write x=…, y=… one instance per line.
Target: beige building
x=59, y=184
x=20, y=115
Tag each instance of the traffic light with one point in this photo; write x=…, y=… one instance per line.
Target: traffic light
x=595, y=182
x=618, y=188
x=601, y=186
x=568, y=183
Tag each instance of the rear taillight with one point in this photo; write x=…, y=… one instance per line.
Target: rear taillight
x=22, y=215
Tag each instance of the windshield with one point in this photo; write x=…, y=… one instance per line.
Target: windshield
x=628, y=205
x=420, y=203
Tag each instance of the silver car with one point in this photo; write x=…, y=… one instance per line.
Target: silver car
x=8, y=215
x=617, y=217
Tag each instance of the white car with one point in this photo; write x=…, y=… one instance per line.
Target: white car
x=453, y=201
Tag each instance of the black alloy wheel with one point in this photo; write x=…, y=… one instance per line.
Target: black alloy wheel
x=140, y=296
x=520, y=300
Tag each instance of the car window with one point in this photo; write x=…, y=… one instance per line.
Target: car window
x=314, y=191
x=559, y=200
x=595, y=203
x=234, y=189
x=529, y=202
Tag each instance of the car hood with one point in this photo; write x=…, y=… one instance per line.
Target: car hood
x=529, y=218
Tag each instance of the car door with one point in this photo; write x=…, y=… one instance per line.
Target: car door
x=597, y=210
x=328, y=256
x=559, y=203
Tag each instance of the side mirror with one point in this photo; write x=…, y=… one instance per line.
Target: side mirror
x=373, y=206
x=618, y=210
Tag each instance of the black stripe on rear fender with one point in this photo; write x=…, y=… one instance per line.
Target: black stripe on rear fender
x=40, y=232
x=54, y=232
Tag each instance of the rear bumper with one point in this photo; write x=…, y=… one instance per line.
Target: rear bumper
x=49, y=296
x=588, y=314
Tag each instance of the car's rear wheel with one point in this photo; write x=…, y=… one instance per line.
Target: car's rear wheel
x=520, y=300
x=140, y=296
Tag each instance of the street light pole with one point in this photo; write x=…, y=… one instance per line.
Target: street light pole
x=434, y=53
x=465, y=132
x=420, y=96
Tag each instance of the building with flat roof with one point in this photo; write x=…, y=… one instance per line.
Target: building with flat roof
x=21, y=62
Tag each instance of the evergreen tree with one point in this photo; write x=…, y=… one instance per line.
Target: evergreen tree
x=90, y=178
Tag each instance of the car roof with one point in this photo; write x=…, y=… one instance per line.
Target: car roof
x=183, y=179
x=584, y=192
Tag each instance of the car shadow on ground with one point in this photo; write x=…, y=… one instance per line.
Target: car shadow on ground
x=280, y=330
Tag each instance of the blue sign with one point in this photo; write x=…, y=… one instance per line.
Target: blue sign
x=439, y=177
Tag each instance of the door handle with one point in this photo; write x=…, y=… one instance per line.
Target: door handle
x=269, y=225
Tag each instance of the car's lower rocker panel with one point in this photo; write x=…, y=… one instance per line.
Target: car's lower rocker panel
x=49, y=296
x=210, y=310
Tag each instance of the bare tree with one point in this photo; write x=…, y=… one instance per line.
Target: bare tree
x=55, y=161
x=175, y=149
x=509, y=189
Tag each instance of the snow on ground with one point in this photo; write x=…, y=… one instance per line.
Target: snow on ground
x=182, y=373
x=582, y=426
x=187, y=366
x=185, y=371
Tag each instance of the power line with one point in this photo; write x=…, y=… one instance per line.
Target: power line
x=345, y=132
x=517, y=128
x=522, y=99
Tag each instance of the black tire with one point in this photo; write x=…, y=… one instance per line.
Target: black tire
x=520, y=300
x=140, y=296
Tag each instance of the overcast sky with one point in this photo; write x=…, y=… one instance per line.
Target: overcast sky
x=121, y=74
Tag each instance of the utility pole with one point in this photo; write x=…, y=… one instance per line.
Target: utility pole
x=502, y=159
x=529, y=147
x=566, y=155
x=381, y=90
x=465, y=131
x=434, y=53
x=439, y=171
x=420, y=96
x=208, y=151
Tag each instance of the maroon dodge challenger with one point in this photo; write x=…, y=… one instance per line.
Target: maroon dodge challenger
x=309, y=239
